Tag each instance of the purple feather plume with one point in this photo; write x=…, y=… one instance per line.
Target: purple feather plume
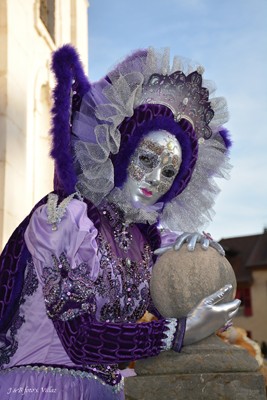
x=68, y=71
x=225, y=134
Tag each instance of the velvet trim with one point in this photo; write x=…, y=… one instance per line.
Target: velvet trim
x=89, y=341
x=69, y=74
x=13, y=261
x=179, y=335
x=149, y=117
x=152, y=236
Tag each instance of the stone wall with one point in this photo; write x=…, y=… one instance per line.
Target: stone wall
x=26, y=172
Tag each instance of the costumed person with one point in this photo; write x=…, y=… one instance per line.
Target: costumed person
x=135, y=156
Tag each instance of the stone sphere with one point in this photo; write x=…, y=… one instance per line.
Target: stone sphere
x=181, y=279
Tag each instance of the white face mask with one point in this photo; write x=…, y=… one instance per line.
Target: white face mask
x=153, y=167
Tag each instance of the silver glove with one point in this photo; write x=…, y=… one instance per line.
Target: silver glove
x=191, y=239
x=207, y=317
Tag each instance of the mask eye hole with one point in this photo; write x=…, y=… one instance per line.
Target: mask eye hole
x=168, y=172
x=148, y=160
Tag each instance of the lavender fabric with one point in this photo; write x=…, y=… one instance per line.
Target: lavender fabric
x=88, y=339
x=168, y=238
x=75, y=238
x=38, y=342
x=54, y=384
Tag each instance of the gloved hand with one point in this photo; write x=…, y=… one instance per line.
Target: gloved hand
x=192, y=238
x=207, y=317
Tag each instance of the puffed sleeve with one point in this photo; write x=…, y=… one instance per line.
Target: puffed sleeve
x=74, y=239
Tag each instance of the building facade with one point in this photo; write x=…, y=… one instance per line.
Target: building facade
x=248, y=257
x=29, y=32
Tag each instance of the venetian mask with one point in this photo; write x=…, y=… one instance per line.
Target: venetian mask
x=153, y=167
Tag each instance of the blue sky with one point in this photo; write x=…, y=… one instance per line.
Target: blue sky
x=229, y=38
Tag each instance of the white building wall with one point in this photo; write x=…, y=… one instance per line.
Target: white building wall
x=26, y=172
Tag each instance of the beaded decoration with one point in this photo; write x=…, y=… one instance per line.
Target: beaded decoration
x=120, y=228
x=56, y=212
x=120, y=293
x=185, y=96
x=151, y=154
x=64, y=286
x=126, y=283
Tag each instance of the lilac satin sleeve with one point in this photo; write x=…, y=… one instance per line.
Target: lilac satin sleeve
x=168, y=237
x=75, y=237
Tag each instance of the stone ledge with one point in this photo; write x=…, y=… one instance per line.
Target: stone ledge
x=206, y=386
x=211, y=355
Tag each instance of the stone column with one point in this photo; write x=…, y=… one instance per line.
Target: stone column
x=209, y=369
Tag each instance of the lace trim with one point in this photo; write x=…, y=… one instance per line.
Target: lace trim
x=97, y=141
x=171, y=324
x=121, y=198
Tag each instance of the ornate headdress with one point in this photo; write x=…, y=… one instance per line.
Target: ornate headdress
x=140, y=94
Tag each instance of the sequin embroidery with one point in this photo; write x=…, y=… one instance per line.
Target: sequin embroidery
x=124, y=284
x=120, y=293
x=68, y=292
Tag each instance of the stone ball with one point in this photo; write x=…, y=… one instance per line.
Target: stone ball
x=181, y=279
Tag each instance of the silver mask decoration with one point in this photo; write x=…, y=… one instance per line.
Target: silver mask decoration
x=153, y=167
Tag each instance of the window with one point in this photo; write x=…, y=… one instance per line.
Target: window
x=47, y=15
